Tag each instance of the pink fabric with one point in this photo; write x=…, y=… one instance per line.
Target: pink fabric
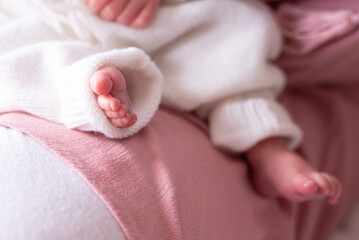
x=334, y=64
x=329, y=4
x=168, y=182
x=306, y=29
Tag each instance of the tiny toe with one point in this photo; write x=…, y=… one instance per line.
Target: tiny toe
x=331, y=184
x=324, y=187
x=305, y=185
x=111, y=114
x=335, y=194
x=338, y=188
x=107, y=102
x=126, y=119
x=117, y=78
x=333, y=199
x=123, y=110
x=100, y=83
x=122, y=122
x=310, y=186
x=117, y=122
x=133, y=119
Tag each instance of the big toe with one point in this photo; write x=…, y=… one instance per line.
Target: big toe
x=305, y=186
x=101, y=83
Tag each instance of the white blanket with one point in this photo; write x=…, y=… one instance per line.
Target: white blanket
x=42, y=198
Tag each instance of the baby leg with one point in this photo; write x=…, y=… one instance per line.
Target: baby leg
x=109, y=86
x=277, y=171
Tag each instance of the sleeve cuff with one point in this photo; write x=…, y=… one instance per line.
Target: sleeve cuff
x=78, y=104
x=240, y=122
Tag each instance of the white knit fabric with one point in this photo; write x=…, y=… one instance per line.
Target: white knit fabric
x=212, y=57
x=47, y=75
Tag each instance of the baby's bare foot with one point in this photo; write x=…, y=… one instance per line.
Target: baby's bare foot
x=278, y=171
x=135, y=13
x=109, y=85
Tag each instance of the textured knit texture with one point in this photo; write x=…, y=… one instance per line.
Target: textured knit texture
x=214, y=57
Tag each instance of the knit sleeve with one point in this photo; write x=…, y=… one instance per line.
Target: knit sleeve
x=78, y=106
x=239, y=122
x=48, y=77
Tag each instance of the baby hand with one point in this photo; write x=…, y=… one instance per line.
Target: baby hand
x=135, y=13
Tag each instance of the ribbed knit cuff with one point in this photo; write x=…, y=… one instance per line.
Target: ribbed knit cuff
x=79, y=108
x=238, y=123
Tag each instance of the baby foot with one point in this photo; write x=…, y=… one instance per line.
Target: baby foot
x=135, y=13
x=109, y=85
x=278, y=171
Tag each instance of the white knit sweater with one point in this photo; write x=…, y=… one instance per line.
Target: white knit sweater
x=211, y=57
